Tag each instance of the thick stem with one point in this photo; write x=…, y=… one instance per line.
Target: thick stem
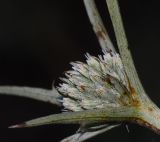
x=149, y=111
x=150, y=116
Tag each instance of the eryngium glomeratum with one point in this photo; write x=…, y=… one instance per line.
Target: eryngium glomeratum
x=99, y=83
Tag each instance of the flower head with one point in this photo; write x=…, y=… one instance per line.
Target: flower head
x=100, y=82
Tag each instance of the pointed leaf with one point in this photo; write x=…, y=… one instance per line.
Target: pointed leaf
x=44, y=95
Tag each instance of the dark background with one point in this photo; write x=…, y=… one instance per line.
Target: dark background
x=38, y=39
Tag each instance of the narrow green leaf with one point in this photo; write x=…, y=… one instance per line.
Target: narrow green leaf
x=88, y=116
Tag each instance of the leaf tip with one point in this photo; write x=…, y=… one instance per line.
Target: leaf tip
x=21, y=125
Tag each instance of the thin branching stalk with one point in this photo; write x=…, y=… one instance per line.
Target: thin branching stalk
x=98, y=25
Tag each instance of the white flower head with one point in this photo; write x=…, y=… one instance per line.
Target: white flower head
x=100, y=82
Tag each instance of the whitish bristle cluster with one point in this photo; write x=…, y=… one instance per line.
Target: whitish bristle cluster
x=100, y=82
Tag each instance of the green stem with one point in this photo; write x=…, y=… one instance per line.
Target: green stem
x=123, y=45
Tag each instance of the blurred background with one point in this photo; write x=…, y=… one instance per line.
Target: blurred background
x=38, y=39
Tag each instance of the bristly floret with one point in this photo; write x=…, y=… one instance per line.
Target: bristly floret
x=99, y=83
